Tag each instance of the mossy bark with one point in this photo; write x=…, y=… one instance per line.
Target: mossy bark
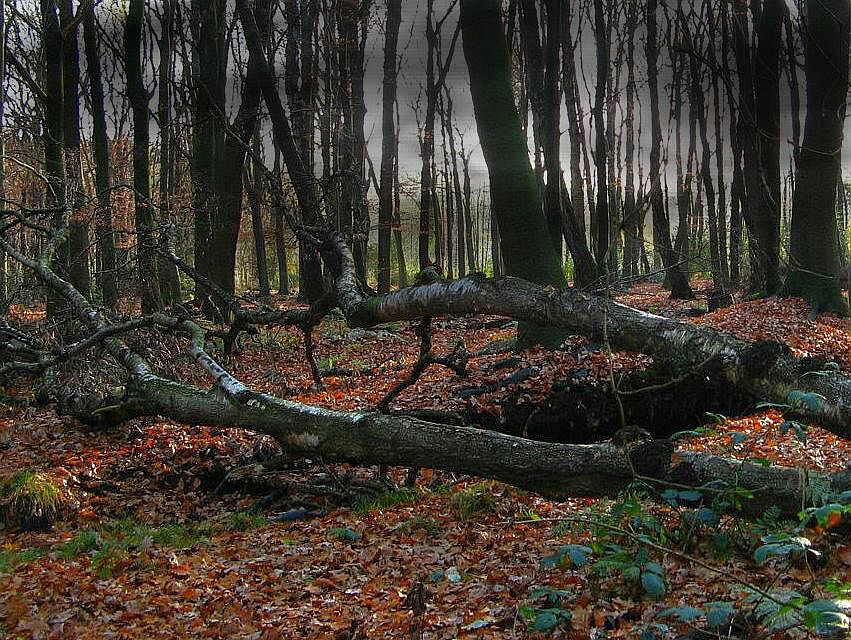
x=525, y=240
x=813, y=254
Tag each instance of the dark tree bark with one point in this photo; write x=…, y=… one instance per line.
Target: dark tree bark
x=149, y=289
x=661, y=226
x=813, y=255
x=759, y=101
x=602, y=232
x=698, y=104
x=300, y=85
x=300, y=173
x=585, y=270
x=389, y=142
x=427, y=143
x=107, y=277
x=169, y=282
x=4, y=301
x=254, y=187
x=78, y=227
x=279, y=215
x=632, y=217
x=767, y=86
x=516, y=204
x=52, y=135
x=737, y=187
x=208, y=95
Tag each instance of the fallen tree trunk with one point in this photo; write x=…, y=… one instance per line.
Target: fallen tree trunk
x=767, y=371
x=551, y=469
x=558, y=470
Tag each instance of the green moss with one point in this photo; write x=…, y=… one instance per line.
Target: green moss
x=823, y=294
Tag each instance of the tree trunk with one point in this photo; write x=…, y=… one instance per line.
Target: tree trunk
x=526, y=246
x=169, y=282
x=300, y=173
x=254, y=186
x=4, y=299
x=661, y=226
x=208, y=94
x=78, y=232
x=601, y=210
x=107, y=277
x=813, y=255
x=558, y=470
x=149, y=288
x=389, y=143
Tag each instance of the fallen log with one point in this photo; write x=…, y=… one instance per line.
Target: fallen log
x=766, y=371
x=551, y=469
x=557, y=470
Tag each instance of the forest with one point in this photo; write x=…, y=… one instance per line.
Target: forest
x=425, y=319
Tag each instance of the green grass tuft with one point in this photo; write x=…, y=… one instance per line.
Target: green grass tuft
x=31, y=500
x=478, y=498
x=387, y=500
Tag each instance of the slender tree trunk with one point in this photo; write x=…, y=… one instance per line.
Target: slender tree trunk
x=4, y=299
x=149, y=288
x=813, y=255
x=254, y=186
x=661, y=226
x=389, y=144
x=169, y=282
x=208, y=95
x=107, y=277
x=397, y=210
x=300, y=173
x=601, y=211
x=280, y=239
x=698, y=104
x=78, y=232
x=527, y=247
x=427, y=143
x=52, y=136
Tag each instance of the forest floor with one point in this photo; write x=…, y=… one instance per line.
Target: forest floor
x=160, y=537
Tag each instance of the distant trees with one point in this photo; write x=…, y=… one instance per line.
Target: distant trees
x=207, y=92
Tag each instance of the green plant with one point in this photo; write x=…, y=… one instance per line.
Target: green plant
x=543, y=611
x=477, y=498
x=81, y=543
x=32, y=500
x=11, y=559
